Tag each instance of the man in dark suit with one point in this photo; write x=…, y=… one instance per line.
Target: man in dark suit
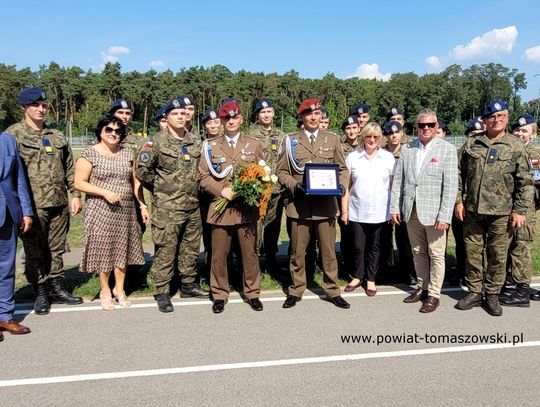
x=15, y=212
x=311, y=216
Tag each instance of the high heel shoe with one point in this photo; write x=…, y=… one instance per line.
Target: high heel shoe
x=122, y=300
x=106, y=302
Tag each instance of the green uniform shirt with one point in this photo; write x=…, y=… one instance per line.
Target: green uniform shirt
x=494, y=177
x=48, y=163
x=168, y=167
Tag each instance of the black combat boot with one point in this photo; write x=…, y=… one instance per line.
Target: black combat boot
x=58, y=293
x=42, y=306
x=164, y=302
x=193, y=290
x=519, y=298
x=492, y=305
x=509, y=287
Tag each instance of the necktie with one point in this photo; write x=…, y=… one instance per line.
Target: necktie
x=312, y=138
x=231, y=143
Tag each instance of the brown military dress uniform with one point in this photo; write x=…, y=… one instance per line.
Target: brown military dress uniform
x=238, y=218
x=312, y=215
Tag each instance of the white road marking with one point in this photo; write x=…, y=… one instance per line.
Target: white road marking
x=259, y=364
x=26, y=308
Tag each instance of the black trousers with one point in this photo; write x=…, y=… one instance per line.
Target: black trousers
x=368, y=239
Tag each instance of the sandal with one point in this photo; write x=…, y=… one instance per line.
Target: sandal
x=106, y=302
x=122, y=300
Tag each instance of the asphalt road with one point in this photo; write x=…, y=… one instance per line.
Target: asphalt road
x=84, y=356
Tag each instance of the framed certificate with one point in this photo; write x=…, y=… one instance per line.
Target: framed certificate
x=322, y=179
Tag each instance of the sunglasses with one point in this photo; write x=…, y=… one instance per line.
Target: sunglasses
x=424, y=125
x=372, y=137
x=110, y=130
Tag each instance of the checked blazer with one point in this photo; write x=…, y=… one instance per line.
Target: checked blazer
x=433, y=189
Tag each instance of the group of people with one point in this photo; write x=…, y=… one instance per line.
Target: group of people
x=390, y=184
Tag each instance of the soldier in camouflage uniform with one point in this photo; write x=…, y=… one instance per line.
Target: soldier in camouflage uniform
x=398, y=114
x=48, y=164
x=494, y=196
x=168, y=166
x=270, y=139
x=190, y=114
x=393, y=130
x=160, y=119
x=519, y=264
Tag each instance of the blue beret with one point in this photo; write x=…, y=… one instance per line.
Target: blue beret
x=391, y=127
x=395, y=111
x=442, y=125
x=494, y=107
x=524, y=120
x=160, y=113
x=188, y=101
x=31, y=95
x=474, y=124
x=177, y=103
x=360, y=108
x=264, y=103
x=210, y=114
x=350, y=120
x=324, y=112
x=120, y=104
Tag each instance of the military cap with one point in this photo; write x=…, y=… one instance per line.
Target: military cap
x=264, y=103
x=31, y=95
x=442, y=126
x=177, y=103
x=324, y=112
x=188, y=101
x=120, y=104
x=494, y=107
x=309, y=105
x=474, y=124
x=160, y=113
x=229, y=109
x=350, y=120
x=360, y=108
x=524, y=120
x=391, y=127
x=395, y=111
x=210, y=114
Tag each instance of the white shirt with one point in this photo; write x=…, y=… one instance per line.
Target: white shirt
x=308, y=134
x=233, y=139
x=369, y=199
x=421, y=155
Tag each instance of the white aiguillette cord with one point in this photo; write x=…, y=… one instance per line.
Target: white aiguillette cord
x=292, y=162
x=206, y=152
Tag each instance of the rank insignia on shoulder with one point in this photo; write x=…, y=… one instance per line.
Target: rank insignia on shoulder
x=144, y=157
x=48, y=147
x=186, y=155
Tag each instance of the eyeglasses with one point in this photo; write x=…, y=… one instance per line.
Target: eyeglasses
x=424, y=125
x=110, y=130
x=496, y=117
x=373, y=137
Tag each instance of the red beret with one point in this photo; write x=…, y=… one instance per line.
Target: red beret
x=229, y=109
x=309, y=105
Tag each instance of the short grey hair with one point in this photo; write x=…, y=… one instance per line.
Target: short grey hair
x=426, y=112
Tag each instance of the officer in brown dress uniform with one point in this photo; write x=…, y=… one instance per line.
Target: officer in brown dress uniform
x=221, y=155
x=311, y=215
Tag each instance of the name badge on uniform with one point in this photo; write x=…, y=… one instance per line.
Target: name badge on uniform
x=274, y=145
x=492, y=156
x=186, y=155
x=48, y=147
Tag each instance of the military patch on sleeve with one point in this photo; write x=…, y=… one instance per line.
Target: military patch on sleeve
x=144, y=157
x=149, y=144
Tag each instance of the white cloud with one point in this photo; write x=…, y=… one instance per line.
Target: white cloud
x=532, y=54
x=370, y=71
x=113, y=53
x=491, y=44
x=434, y=63
x=157, y=64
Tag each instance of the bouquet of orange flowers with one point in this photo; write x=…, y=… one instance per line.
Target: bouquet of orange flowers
x=252, y=183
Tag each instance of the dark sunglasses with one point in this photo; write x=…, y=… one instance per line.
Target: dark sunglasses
x=424, y=125
x=110, y=130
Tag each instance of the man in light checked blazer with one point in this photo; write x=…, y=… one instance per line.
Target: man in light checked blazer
x=423, y=196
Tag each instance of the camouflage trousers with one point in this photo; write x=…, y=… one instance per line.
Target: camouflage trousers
x=177, y=242
x=269, y=228
x=45, y=243
x=494, y=233
x=519, y=263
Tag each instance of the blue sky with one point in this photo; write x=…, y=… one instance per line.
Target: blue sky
x=344, y=37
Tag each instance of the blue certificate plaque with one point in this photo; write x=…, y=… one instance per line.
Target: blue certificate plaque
x=322, y=179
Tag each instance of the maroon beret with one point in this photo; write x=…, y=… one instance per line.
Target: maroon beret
x=309, y=105
x=229, y=109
